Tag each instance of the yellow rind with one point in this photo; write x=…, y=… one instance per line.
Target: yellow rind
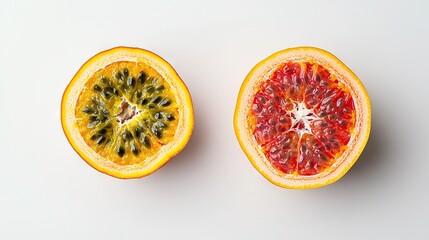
x=302, y=183
x=161, y=160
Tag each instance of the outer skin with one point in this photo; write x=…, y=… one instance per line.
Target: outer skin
x=241, y=138
x=162, y=159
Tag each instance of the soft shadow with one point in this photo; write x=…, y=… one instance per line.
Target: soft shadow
x=190, y=155
x=189, y=160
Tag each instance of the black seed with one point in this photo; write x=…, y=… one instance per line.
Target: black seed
x=145, y=140
x=125, y=73
x=144, y=101
x=154, y=80
x=131, y=82
x=146, y=122
x=93, y=137
x=120, y=151
x=87, y=110
x=170, y=117
x=137, y=132
x=119, y=75
x=155, y=131
x=150, y=89
x=126, y=135
x=93, y=118
x=97, y=88
x=161, y=124
x=105, y=80
x=100, y=140
x=142, y=77
x=102, y=131
x=166, y=102
x=93, y=124
x=160, y=88
x=134, y=149
x=104, y=111
x=138, y=94
x=108, y=91
x=156, y=99
x=151, y=106
x=157, y=115
x=104, y=119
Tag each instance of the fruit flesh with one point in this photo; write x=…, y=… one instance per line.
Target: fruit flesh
x=302, y=117
x=127, y=112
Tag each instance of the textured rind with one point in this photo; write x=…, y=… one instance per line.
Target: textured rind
x=102, y=59
x=260, y=73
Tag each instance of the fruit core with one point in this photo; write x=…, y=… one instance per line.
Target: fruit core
x=127, y=112
x=302, y=118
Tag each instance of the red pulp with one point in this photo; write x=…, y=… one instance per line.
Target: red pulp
x=302, y=117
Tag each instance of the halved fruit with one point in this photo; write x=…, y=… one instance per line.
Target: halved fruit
x=302, y=118
x=126, y=112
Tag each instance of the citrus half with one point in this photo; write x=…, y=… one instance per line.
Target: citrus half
x=127, y=112
x=302, y=118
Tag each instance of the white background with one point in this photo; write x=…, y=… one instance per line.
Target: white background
x=210, y=190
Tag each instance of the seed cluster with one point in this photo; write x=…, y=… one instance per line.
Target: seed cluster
x=302, y=118
x=145, y=112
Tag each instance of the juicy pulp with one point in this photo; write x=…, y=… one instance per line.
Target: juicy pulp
x=302, y=118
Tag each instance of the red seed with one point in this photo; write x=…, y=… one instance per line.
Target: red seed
x=284, y=148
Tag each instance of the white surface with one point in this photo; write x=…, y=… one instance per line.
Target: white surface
x=210, y=191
